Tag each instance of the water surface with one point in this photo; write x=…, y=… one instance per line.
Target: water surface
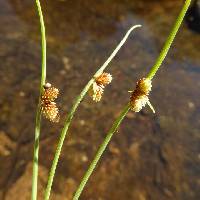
x=152, y=156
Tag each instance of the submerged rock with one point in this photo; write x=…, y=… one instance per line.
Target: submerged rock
x=193, y=16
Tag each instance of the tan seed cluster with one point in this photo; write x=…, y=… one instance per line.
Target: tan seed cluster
x=48, y=106
x=139, y=97
x=97, y=88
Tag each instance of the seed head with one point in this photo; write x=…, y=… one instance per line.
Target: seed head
x=49, y=108
x=144, y=85
x=50, y=94
x=139, y=102
x=104, y=79
x=139, y=97
x=50, y=111
x=96, y=92
x=97, y=88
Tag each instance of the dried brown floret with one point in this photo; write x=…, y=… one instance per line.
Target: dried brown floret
x=96, y=92
x=144, y=85
x=50, y=93
x=104, y=79
x=49, y=108
x=97, y=88
x=139, y=97
x=50, y=111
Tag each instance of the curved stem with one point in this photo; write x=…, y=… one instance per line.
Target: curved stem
x=127, y=107
x=38, y=113
x=169, y=40
x=74, y=107
x=100, y=151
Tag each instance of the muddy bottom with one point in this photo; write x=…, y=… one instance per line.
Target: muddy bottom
x=152, y=156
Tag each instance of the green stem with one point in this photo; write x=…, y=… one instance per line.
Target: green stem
x=38, y=113
x=100, y=151
x=127, y=107
x=169, y=40
x=74, y=107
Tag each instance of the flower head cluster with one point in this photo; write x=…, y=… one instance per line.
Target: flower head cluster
x=97, y=88
x=48, y=106
x=139, y=97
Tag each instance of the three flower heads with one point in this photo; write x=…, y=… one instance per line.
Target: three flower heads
x=138, y=99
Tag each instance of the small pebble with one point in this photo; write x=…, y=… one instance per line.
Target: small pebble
x=191, y=105
x=21, y=94
x=84, y=158
x=82, y=122
x=62, y=72
x=66, y=63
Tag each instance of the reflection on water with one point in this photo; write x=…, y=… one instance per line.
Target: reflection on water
x=152, y=156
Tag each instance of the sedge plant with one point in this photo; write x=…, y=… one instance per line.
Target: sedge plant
x=38, y=112
x=70, y=115
x=128, y=106
x=77, y=101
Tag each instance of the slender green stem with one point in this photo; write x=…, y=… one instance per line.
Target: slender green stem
x=38, y=113
x=74, y=107
x=127, y=107
x=100, y=151
x=169, y=40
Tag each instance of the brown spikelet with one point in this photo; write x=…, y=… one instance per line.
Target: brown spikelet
x=144, y=86
x=49, y=108
x=50, y=111
x=139, y=97
x=97, y=88
x=50, y=93
x=104, y=79
x=96, y=92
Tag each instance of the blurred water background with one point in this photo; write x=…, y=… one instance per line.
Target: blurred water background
x=152, y=157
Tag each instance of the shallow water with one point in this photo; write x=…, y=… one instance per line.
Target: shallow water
x=152, y=156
